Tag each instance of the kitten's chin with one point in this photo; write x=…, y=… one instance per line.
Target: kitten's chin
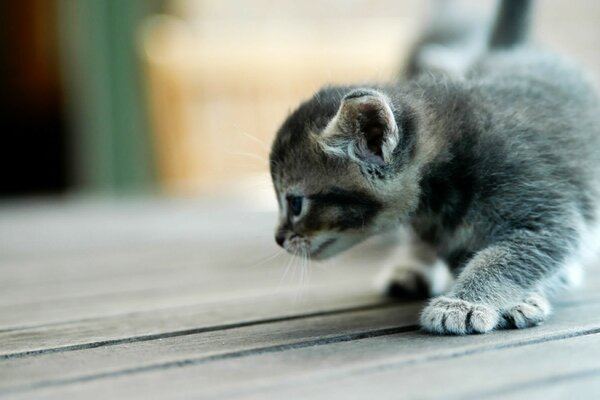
x=334, y=246
x=324, y=251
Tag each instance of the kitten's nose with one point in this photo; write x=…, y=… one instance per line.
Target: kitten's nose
x=280, y=238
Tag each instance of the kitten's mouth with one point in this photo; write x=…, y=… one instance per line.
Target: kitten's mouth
x=322, y=247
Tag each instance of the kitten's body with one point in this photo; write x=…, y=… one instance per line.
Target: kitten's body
x=497, y=172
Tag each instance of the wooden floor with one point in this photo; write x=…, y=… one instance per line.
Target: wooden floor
x=163, y=299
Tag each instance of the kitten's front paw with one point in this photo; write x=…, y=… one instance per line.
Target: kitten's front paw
x=451, y=316
x=531, y=312
x=407, y=284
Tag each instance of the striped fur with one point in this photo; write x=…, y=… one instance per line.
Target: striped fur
x=497, y=172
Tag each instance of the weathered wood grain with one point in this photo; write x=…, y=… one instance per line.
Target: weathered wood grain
x=213, y=308
x=211, y=313
x=176, y=350
x=165, y=269
x=194, y=291
x=45, y=228
x=578, y=385
x=474, y=376
x=37, y=290
x=158, y=299
x=409, y=361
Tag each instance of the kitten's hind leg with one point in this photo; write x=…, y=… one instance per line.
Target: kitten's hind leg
x=415, y=274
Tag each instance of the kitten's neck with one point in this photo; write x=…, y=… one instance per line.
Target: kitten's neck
x=449, y=124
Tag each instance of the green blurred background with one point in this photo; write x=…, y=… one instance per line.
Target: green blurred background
x=183, y=96
x=74, y=114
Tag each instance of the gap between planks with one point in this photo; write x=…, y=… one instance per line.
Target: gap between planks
x=202, y=317
x=193, y=331
x=240, y=342
x=461, y=375
x=491, y=343
x=207, y=316
x=323, y=378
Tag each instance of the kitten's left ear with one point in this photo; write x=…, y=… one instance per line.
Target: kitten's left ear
x=364, y=128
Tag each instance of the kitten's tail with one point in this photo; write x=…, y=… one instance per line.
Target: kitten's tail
x=512, y=24
x=454, y=39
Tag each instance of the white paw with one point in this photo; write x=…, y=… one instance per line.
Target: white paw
x=415, y=281
x=531, y=312
x=447, y=315
x=407, y=284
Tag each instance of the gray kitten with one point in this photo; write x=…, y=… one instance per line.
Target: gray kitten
x=497, y=172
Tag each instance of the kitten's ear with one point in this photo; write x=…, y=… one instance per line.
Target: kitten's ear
x=364, y=128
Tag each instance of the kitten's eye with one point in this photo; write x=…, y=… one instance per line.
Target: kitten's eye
x=295, y=205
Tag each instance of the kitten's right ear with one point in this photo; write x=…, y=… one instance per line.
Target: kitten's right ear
x=364, y=128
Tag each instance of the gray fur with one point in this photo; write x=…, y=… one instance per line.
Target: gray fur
x=498, y=172
x=454, y=38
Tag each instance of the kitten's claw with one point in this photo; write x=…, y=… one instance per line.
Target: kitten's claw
x=451, y=316
x=533, y=311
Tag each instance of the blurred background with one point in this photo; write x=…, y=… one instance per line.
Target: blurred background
x=137, y=213
x=182, y=97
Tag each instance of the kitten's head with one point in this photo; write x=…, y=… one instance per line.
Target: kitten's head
x=341, y=167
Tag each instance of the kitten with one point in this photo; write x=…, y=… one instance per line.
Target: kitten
x=497, y=172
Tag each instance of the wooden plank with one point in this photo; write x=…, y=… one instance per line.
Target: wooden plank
x=213, y=286
x=184, y=288
x=27, y=372
x=213, y=307
x=228, y=334
x=579, y=385
x=132, y=272
x=84, y=242
x=412, y=363
x=217, y=312
x=110, y=263
x=169, y=282
x=67, y=238
x=179, y=261
x=78, y=226
x=86, y=275
x=50, y=287
x=474, y=376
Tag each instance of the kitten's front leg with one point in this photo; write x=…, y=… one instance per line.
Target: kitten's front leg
x=499, y=287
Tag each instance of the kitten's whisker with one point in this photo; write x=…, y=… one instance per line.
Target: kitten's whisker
x=305, y=270
x=300, y=285
x=257, y=140
x=266, y=259
x=295, y=267
x=251, y=155
x=309, y=262
x=302, y=265
x=285, y=273
x=248, y=168
x=260, y=179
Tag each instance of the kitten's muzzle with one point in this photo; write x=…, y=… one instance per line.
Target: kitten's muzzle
x=280, y=238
